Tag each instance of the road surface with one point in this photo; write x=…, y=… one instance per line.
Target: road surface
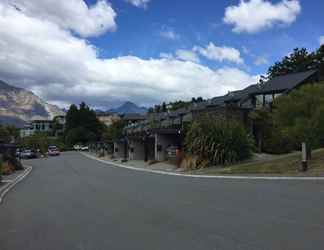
x=72, y=202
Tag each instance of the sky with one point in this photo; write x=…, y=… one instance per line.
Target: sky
x=106, y=52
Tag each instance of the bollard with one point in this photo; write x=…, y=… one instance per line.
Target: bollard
x=304, y=166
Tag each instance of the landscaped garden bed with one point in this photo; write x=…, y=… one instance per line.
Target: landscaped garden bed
x=288, y=164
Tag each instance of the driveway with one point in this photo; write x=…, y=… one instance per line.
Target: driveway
x=73, y=202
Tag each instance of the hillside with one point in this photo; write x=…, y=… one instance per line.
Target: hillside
x=18, y=106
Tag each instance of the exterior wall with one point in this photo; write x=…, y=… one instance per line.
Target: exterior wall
x=25, y=132
x=136, y=150
x=108, y=120
x=45, y=126
x=162, y=142
x=226, y=114
x=119, y=150
x=36, y=126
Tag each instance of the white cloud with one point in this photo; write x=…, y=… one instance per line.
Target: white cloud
x=221, y=54
x=256, y=15
x=169, y=34
x=72, y=14
x=187, y=55
x=166, y=55
x=139, y=3
x=261, y=60
x=321, y=40
x=42, y=56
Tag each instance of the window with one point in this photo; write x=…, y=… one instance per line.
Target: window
x=268, y=99
x=277, y=95
x=259, y=101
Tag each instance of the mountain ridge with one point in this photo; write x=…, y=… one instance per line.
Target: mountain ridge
x=128, y=108
x=19, y=106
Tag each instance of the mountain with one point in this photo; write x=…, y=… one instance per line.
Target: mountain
x=129, y=108
x=18, y=106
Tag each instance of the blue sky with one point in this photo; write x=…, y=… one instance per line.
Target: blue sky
x=106, y=52
x=201, y=22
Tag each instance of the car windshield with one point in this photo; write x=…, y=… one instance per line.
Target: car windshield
x=52, y=148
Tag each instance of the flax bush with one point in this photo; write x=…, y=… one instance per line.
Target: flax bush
x=219, y=142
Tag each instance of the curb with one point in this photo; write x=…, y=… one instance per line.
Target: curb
x=6, y=188
x=225, y=177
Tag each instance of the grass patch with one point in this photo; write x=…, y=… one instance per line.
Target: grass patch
x=283, y=165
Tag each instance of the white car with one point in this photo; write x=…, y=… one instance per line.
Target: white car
x=85, y=148
x=77, y=147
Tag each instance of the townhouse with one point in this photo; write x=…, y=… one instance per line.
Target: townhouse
x=160, y=134
x=53, y=127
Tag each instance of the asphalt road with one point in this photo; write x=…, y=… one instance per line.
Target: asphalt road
x=75, y=203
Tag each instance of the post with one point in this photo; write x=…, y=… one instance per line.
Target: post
x=156, y=152
x=145, y=139
x=304, y=158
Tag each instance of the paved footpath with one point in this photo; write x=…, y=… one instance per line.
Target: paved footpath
x=75, y=203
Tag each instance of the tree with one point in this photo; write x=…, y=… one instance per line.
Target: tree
x=199, y=99
x=268, y=137
x=82, y=125
x=164, y=107
x=150, y=110
x=115, y=131
x=298, y=61
x=8, y=133
x=301, y=115
x=157, y=108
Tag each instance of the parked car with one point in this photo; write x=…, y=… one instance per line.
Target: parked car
x=53, y=151
x=77, y=147
x=28, y=154
x=172, y=151
x=84, y=148
x=18, y=152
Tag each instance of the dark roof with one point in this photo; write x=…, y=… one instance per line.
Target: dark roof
x=199, y=105
x=234, y=96
x=220, y=100
x=181, y=111
x=242, y=94
x=277, y=84
x=286, y=82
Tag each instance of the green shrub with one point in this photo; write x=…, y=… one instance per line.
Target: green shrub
x=278, y=142
x=300, y=115
x=13, y=161
x=219, y=142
